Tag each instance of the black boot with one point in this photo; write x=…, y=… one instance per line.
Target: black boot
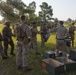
x=27, y=69
x=19, y=67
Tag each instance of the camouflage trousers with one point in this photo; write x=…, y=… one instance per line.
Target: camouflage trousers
x=72, y=39
x=34, y=43
x=61, y=44
x=22, y=54
x=6, y=43
x=1, y=50
x=42, y=41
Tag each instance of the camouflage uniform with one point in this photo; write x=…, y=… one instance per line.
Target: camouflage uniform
x=43, y=33
x=72, y=28
x=7, y=38
x=33, y=37
x=23, y=33
x=1, y=48
x=61, y=32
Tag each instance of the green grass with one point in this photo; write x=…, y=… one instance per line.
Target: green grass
x=8, y=67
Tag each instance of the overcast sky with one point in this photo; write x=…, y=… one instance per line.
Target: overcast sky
x=62, y=9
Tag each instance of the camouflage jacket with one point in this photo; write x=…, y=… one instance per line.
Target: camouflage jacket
x=7, y=33
x=72, y=29
x=22, y=31
x=43, y=30
x=34, y=31
x=61, y=32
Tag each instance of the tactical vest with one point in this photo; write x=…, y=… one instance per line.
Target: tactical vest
x=33, y=32
x=7, y=33
x=20, y=33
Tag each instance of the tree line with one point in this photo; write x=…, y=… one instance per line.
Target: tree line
x=13, y=9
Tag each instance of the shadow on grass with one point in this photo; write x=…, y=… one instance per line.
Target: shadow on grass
x=8, y=66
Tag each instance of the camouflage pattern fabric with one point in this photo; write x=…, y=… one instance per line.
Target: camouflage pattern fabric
x=22, y=45
x=7, y=39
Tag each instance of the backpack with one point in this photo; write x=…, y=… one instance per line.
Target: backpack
x=19, y=32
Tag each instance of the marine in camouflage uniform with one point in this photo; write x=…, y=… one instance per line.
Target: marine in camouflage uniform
x=1, y=48
x=72, y=28
x=23, y=34
x=43, y=31
x=7, y=38
x=61, y=32
x=33, y=37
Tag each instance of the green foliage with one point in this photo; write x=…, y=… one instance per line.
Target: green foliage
x=46, y=12
x=32, y=5
x=69, y=20
x=56, y=20
x=8, y=66
x=13, y=9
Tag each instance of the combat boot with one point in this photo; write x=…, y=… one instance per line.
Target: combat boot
x=5, y=57
x=19, y=67
x=26, y=68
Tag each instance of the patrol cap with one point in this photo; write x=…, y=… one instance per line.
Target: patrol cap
x=61, y=22
x=7, y=23
x=33, y=22
x=23, y=17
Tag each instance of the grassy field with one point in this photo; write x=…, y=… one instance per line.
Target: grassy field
x=8, y=67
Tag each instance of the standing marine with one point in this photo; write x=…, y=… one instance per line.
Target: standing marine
x=7, y=38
